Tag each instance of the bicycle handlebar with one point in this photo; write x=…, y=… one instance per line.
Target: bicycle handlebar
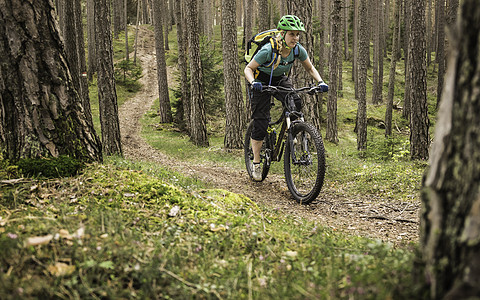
x=311, y=90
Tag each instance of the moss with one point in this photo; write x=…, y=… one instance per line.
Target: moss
x=62, y=166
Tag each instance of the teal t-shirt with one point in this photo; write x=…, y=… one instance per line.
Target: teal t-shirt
x=264, y=55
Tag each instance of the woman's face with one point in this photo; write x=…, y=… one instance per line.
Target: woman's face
x=292, y=37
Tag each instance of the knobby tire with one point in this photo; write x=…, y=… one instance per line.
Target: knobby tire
x=304, y=178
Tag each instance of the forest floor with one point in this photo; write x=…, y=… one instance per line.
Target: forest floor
x=395, y=222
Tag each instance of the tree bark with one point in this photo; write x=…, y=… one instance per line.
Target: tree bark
x=332, y=131
x=198, y=116
x=303, y=10
x=393, y=65
x=419, y=123
x=376, y=51
x=127, y=51
x=248, y=33
x=233, y=91
x=41, y=114
x=107, y=95
x=262, y=17
x=440, y=55
x=183, y=118
x=362, y=77
x=164, y=109
x=407, y=105
x=450, y=226
x=92, y=59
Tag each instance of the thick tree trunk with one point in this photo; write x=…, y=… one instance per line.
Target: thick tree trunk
x=233, y=90
x=332, y=131
x=164, y=109
x=262, y=17
x=41, y=114
x=419, y=123
x=450, y=220
x=376, y=52
x=107, y=95
x=362, y=77
x=198, y=115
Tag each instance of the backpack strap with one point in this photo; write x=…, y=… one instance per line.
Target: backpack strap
x=296, y=54
x=275, y=53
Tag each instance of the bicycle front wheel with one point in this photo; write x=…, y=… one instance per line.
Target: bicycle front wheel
x=304, y=162
x=248, y=153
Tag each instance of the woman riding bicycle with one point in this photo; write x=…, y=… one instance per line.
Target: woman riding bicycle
x=257, y=74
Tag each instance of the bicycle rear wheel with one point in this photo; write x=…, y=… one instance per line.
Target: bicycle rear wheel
x=304, y=162
x=248, y=153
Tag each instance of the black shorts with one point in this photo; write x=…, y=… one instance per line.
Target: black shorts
x=261, y=104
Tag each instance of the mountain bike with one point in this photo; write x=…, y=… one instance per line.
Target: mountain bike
x=304, y=159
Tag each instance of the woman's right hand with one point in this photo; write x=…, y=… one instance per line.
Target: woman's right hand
x=257, y=86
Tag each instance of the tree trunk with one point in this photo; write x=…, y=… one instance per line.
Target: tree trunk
x=166, y=22
x=164, y=109
x=92, y=59
x=419, y=137
x=41, y=114
x=248, y=29
x=356, y=23
x=407, y=106
x=440, y=58
x=262, y=18
x=198, y=116
x=362, y=77
x=450, y=226
x=107, y=95
x=184, y=116
x=332, y=131
x=429, y=32
x=391, y=80
x=82, y=63
x=233, y=90
x=376, y=51
x=137, y=23
x=303, y=10
x=127, y=52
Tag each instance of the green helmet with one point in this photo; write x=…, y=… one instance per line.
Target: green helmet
x=290, y=22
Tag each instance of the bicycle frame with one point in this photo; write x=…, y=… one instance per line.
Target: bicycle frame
x=288, y=109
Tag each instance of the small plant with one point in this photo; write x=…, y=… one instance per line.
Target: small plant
x=62, y=166
x=127, y=74
x=7, y=170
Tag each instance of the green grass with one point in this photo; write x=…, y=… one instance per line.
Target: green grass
x=114, y=235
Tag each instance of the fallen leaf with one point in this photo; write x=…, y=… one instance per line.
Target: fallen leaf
x=61, y=269
x=38, y=240
x=79, y=233
x=214, y=228
x=174, y=211
x=106, y=264
x=291, y=253
x=64, y=234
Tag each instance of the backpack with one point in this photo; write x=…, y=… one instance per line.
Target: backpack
x=262, y=38
x=258, y=41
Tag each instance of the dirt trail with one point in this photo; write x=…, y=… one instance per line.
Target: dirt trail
x=374, y=218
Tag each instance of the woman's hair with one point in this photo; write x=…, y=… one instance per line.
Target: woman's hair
x=279, y=39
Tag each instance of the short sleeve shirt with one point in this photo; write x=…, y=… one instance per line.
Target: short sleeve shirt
x=264, y=55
